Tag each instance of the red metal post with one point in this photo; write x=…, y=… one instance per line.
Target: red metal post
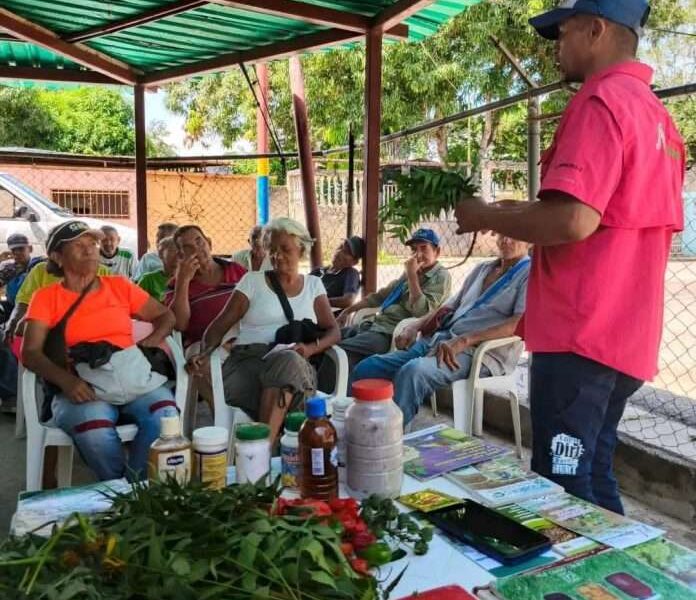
x=140, y=168
x=304, y=151
x=261, y=129
x=373, y=116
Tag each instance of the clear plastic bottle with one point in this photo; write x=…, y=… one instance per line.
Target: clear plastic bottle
x=338, y=420
x=170, y=453
x=290, y=451
x=374, y=428
x=318, y=453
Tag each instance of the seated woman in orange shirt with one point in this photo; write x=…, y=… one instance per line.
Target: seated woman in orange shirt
x=103, y=315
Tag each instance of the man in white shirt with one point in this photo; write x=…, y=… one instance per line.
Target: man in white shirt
x=118, y=260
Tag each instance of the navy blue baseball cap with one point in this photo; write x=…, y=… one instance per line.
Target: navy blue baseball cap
x=630, y=13
x=424, y=235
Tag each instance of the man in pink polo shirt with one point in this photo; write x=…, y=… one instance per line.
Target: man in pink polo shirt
x=610, y=201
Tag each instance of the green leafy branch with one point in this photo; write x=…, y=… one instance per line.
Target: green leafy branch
x=421, y=195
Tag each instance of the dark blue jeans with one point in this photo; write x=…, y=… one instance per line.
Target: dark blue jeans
x=576, y=405
x=8, y=373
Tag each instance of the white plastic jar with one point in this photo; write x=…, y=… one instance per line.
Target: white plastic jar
x=210, y=456
x=338, y=420
x=252, y=453
x=374, y=433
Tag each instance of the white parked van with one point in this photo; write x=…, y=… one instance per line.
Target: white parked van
x=23, y=210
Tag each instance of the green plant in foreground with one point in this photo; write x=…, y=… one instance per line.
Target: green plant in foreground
x=384, y=520
x=421, y=195
x=181, y=543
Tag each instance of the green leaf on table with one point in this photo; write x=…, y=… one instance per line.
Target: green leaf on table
x=323, y=578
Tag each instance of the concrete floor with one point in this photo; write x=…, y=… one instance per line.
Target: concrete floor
x=12, y=465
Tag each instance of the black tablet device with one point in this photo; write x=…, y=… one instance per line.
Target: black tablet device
x=487, y=530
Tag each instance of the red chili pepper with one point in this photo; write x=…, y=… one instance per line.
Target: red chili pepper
x=347, y=549
x=359, y=565
x=362, y=539
x=360, y=526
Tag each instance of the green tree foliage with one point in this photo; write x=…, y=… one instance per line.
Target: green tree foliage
x=457, y=68
x=81, y=120
x=91, y=120
x=23, y=121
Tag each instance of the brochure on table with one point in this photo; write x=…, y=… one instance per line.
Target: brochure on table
x=665, y=555
x=502, y=481
x=48, y=507
x=592, y=521
x=610, y=575
x=445, y=449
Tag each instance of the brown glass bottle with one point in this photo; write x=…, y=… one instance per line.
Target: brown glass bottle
x=318, y=453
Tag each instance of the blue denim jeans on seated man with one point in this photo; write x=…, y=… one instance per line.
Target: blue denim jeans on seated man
x=415, y=374
x=91, y=425
x=576, y=405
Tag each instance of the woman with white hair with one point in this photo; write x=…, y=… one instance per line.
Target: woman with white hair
x=265, y=388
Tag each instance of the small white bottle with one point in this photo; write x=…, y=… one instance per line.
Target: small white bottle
x=338, y=420
x=253, y=453
x=289, y=451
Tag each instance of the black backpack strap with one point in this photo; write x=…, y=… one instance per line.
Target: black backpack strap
x=75, y=305
x=282, y=296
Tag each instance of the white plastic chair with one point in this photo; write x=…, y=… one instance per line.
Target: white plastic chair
x=467, y=394
x=228, y=416
x=41, y=435
x=141, y=329
x=189, y=420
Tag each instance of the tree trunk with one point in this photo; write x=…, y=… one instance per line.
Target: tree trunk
x=490, y=127
x=442, y=146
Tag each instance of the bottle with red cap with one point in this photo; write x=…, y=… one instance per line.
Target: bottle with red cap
x=374, y=430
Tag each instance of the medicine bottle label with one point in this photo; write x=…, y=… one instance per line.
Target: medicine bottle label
x=290, y=465
x=212, y=469
x=318, y=462
x=174, y=464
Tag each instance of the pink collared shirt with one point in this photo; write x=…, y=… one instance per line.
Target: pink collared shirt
x=617, y=150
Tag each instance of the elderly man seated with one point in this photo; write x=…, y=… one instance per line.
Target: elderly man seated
x=423, y=286
x=488, y=306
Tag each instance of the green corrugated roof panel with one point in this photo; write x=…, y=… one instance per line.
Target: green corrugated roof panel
x=188, y=37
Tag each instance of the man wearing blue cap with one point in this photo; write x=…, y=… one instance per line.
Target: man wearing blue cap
x=423, y=286
x=610, y=202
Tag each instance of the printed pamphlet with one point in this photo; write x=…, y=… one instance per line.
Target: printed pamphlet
x=565, y=542
x=445, y=450
x=610, y=575
x=277, y=348
x=39, y=511
x=671, y=558
x=592, y=521
x=502, y=481
x=428, y=500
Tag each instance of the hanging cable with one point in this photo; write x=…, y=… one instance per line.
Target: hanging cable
x=265, y=113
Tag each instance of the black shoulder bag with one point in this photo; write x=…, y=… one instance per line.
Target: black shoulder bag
x=56, y=350
x=54, y=346
x=305, y=331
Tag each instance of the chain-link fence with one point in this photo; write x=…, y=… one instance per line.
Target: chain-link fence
x=213, y=196
x=663, y=412
x=223, y=202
